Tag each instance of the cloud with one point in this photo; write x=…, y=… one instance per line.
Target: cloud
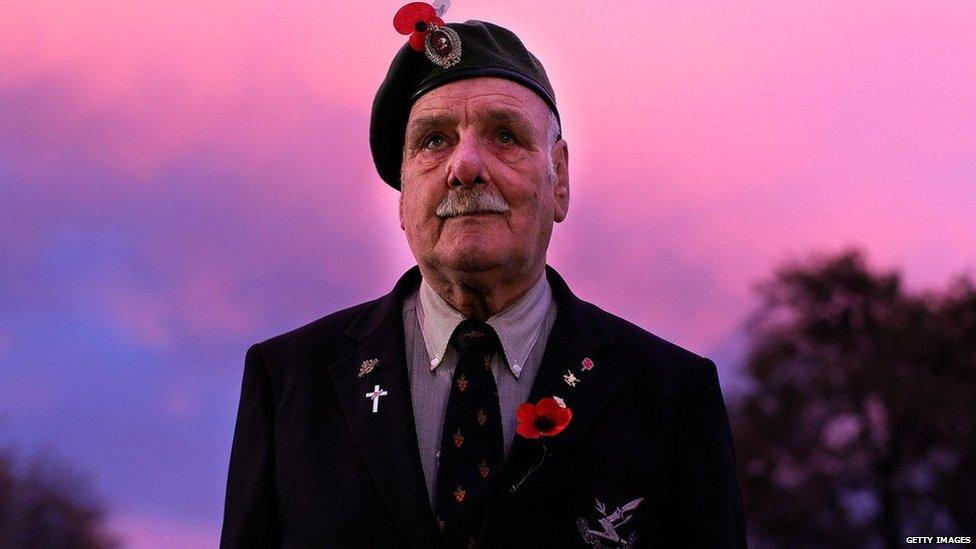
x=181, y=179
x=6, y=344
x=153, y=532
x=28, y=393
x=271, y=202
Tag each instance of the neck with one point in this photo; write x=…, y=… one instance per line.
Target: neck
x=480, y=294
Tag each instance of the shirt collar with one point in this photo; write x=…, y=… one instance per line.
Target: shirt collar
x=518, y=326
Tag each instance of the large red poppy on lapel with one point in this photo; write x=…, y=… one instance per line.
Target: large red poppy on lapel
x=545, y=418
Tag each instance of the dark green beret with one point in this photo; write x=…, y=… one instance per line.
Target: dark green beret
x=486, y=50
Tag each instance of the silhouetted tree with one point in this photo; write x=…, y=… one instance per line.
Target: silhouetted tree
x=861, y=425
x=44, y=504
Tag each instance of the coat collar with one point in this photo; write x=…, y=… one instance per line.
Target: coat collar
x=578, y=313
x=388, y=439
x=518, y=326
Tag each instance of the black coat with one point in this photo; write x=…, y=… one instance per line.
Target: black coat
x=648, y=449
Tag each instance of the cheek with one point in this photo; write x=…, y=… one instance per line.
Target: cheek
x=515, y=157
x=533, y=204
x=418, y=215
x=410, y=209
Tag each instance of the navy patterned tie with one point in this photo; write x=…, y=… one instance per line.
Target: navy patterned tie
x=471, y=441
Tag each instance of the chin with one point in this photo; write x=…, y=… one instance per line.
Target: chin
x=472, y=262
x=473, y=258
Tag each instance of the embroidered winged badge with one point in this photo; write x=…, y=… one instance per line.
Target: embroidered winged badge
x=609, y=524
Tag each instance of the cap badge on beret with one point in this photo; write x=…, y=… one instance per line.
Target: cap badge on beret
x=440, y=43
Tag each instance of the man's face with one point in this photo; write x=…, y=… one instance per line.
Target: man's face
x=481, y=181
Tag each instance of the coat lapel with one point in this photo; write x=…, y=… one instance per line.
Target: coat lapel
x=577, y=334
x=387, y=438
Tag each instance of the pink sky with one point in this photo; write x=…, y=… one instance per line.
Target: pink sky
x=181, y=179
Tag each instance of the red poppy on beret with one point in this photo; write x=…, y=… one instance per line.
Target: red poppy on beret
x=546, y=418
x=415, y=19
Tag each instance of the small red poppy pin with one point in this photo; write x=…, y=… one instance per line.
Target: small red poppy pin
x=545, y=418
x=428, y=33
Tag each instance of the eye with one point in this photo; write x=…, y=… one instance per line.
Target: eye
x=505, y=137
x=435, y=142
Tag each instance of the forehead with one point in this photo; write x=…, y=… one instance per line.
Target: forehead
x=480, y=94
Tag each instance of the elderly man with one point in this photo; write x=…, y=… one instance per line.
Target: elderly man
x=480, y=403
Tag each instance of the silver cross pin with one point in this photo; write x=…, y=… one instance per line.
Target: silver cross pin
x=375, y=395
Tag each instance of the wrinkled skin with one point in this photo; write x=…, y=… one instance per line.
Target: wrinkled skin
x=482, y=132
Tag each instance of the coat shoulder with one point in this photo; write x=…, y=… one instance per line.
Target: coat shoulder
x=324, y=337
x=649, y=350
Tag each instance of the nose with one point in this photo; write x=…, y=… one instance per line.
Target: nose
x=467, y=166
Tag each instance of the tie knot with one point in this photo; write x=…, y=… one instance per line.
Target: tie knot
x=475, y=335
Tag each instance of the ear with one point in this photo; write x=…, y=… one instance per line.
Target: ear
x=560, y=188
x=401, y=208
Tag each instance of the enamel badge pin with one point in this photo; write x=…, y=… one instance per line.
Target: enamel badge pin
x=570, y=378
x=367, y=366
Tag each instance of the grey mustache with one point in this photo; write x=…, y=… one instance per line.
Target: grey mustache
x=478, y=200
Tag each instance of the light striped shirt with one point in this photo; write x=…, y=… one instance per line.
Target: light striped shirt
x=428, y=320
